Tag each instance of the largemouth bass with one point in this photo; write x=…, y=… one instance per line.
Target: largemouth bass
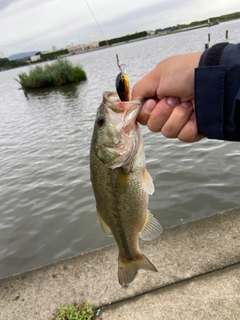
x=121, y=183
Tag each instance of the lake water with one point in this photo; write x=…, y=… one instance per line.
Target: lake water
x=47, y=208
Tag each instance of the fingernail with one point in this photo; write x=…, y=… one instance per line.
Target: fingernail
x=173, y=101
x=187, y=104
x=149, y=106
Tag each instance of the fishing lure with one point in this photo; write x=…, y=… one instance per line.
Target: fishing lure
x=122, y=83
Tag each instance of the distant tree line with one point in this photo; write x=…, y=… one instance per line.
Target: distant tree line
x=129, y=37
x=53, y=55
x=225, y=17
x=230, y=16
x=5, y=63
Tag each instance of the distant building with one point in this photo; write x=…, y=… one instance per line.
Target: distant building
x=94, y=44
x=76, y=49
x=54, y=48
x=82, y=47
x=35, y=58
x=150, y=32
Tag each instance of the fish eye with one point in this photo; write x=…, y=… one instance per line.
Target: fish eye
x=100, y=121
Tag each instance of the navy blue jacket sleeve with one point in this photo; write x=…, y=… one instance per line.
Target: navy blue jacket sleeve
x=217, y=92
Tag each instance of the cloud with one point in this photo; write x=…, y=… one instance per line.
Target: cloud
x=5, y=3
x=39, y=24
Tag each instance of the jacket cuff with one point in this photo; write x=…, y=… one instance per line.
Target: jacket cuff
x=217, y=92
x=213, y=56
x=209, y=87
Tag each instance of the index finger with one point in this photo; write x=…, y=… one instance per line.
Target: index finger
x=146, y=110
x=146, y=87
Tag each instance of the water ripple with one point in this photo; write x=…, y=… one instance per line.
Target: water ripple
x=47, y=208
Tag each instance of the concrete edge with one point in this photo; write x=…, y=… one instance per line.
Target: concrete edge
x=180, y=253
x=214, y=295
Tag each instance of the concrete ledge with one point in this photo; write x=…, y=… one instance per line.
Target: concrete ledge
x=214, y=295
x=181, y=252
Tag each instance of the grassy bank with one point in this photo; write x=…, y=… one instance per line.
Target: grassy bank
x=59, y=73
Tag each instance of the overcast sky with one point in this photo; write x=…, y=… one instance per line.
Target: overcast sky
x=32, y=25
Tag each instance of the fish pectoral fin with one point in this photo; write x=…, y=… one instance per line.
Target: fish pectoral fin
x=104, y=226
x=148, y=185
x=151, y=229
x=128, y=268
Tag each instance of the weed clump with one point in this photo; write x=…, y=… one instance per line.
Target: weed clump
x=75, y=312
x=59, y=73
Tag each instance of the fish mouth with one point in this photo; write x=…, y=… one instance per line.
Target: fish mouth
x=123, y=115
x=129, y=109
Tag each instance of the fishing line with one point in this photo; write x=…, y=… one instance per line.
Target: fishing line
x=122, y=82
x=121, y=67
x=97, y=23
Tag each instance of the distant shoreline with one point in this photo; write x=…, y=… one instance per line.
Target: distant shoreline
x=151, y=36
x=159, y=34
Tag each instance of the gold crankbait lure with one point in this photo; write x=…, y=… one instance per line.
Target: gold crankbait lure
x=122, y=83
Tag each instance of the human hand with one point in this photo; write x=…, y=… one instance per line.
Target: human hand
x=169, y=88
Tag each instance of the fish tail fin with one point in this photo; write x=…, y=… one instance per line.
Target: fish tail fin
x=128, y=268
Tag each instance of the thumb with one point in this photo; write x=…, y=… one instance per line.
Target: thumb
x=146, y=87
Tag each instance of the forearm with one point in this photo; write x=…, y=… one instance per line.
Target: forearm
x=217, y=92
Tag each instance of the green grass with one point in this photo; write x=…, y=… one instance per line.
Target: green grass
x=71, y=312
x=59, y=73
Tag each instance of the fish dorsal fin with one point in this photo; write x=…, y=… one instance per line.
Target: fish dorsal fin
x=151, y=229
x=104, y=226
x=148, y=185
